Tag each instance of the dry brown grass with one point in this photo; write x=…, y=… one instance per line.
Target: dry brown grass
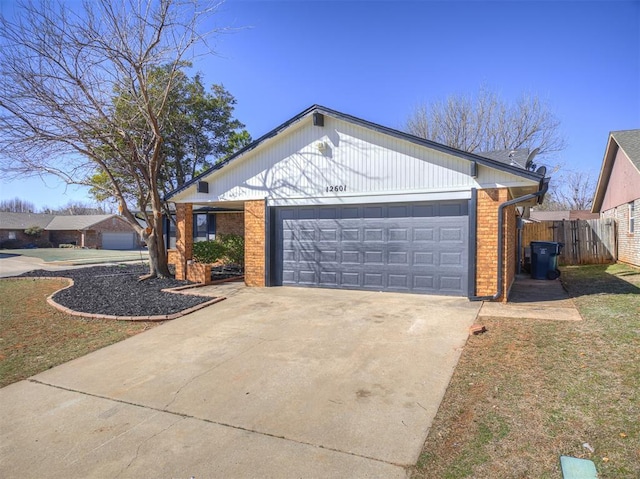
x=35, y=337
x=526, y=391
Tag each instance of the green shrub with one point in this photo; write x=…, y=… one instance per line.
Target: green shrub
x=234, y=249
x=226, y=248
x=208, y=251
x=34, y=231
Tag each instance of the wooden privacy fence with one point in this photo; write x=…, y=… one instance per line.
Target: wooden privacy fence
x=585, y=241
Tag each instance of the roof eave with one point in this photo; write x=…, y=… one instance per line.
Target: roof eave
x=366, y=124
x=605, y=173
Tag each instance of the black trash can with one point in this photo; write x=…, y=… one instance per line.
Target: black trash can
x=544, y=259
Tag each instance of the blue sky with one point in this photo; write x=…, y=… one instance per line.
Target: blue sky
x=377, y=60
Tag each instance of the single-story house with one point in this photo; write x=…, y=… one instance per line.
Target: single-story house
x=13, y=226
x=330, y=200
x=87, y=231
x=617, y=194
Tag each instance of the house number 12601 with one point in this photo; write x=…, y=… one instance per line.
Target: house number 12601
x=336, y=188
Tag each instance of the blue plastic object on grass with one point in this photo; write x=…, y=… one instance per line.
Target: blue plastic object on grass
x=574, y=468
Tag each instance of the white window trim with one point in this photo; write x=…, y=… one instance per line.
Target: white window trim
x=632, y=225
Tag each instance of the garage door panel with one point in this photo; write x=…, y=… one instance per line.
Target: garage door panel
x=423, y=258
x=398, y=234
x=351, y=234
x=450, y=259
x=423, y=234
x=398, y=258
x=423, y=282
x=373, y=257
x=371, y=234
x=450, y=283
x=350, y=279
x=373, y=280
x=118, y=241
x=451, y=234
x=329, y=278
x=328, y=234
x=333, y=248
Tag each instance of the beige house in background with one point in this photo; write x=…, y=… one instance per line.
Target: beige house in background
x=617, y=195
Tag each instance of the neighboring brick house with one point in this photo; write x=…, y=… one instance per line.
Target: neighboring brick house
x=331, y=200
x=617, y=194
x=13, y=226
x=87, y=231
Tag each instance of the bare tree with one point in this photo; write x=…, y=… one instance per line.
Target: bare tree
x=577, y=190
x=65, y=74
x=73, y=208
x=485, y=122
x=17, y=205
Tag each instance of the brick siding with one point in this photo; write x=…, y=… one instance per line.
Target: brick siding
x=184, y=239
x=230, y=223
x=487, y=242
x=254, y=243
x=22, y=239
x=628, y=243
x=111, y=225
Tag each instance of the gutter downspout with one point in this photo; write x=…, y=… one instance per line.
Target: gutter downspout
x=544, y=186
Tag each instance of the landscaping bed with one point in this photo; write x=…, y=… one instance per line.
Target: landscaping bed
x=116, y=290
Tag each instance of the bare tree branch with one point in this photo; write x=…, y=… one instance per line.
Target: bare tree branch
x=63, y=73
x=485, y=122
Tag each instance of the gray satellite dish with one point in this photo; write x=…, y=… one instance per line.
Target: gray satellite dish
x=529, y=164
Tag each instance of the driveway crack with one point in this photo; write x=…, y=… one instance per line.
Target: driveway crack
x=143, y=442
x=212, y=368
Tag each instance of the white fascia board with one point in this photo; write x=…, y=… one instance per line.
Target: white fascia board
x=371, y=199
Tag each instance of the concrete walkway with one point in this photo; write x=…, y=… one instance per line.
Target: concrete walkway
x=275, y=383
x=534, y=299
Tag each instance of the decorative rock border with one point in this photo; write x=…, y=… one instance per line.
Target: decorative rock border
x=161, y=317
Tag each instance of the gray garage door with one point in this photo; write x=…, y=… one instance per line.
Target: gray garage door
x=118, y=240
x=415, y=247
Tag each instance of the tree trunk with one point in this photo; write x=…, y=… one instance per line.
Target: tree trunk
x=158, y=262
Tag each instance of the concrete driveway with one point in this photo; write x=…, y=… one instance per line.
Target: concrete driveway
x=277, y=382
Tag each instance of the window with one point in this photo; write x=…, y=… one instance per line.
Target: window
x=12, y=235
x=204, y=228
x=632, y=220
x=170, y=231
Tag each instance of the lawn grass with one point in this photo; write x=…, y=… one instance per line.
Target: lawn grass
x=79, y=255
x=35, y=336
x=528, y=391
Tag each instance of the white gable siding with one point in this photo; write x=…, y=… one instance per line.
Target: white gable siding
x=361, y=162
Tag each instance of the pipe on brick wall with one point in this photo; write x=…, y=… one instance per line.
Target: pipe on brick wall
x=544, y=186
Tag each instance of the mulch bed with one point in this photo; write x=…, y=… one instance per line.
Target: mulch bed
x=115, y=290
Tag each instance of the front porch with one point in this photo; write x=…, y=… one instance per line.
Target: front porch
x=246, y=219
